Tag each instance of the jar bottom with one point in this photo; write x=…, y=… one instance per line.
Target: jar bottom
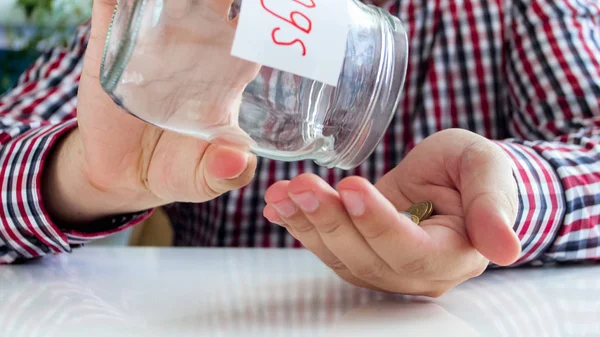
x=385, y=98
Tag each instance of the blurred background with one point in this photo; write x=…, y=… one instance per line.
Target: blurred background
x=29, y=26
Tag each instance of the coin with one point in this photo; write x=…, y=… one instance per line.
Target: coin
x=406, y=214
x=430, y=210
x=412, y=217
x=422, y=210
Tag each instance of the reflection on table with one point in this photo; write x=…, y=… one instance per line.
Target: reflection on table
x=220, y=292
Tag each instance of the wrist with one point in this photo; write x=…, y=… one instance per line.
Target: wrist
x=70, y=197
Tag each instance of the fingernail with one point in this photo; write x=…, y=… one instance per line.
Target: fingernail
x=285, y=208
x=353, y=201
x=278, y=222
x=307, y=201
x=237, y=175
x=275, y=220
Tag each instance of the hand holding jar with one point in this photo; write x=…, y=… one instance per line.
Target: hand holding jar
x=114, y=163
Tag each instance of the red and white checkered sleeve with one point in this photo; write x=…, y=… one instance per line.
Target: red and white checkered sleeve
x=553, y=72
x=33, y=116
x=541, y=201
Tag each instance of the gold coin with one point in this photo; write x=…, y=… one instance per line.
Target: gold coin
x=406, y=214
x=422, y=210
x=429, y=210
x=411, y=217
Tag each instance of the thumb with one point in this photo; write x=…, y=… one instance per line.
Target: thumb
x=490, y=199
x=223, y=169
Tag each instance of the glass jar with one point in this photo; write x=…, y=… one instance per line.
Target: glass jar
x=172, y=67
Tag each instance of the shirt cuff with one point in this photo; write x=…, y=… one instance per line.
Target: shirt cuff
x=106, y=227
x=542, y=203
x=26, y=230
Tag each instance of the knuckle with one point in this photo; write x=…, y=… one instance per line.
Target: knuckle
x=206, y=188
x=372, y=231
x=210, y=192
x=370, y=272
x=329, y=225
x=476, y=154
x=337, y=266
x=178, y=187
x=418, y=267
x=300, y=225
x=455, y=132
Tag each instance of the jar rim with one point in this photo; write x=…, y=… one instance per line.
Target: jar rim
x=110, y=74
x=350, y=156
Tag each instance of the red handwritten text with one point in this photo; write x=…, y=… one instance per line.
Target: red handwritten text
x=304, y=24
x=312, y=3
x=288, y=43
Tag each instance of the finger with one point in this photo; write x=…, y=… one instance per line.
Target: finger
x=271, y=214
x=224, y=169
x=445, y=199
x=335, y=265
x=297, y=225
x=399, y=241
x=321, y=206
x=200, y=173
x=439, y=248
x=304, y=231
x=489, y=197
x=320, y=251
x=456, y=258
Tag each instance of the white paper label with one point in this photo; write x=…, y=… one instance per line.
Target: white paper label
x=302, y=37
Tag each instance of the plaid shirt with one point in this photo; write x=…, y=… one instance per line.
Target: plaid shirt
x=525, y=73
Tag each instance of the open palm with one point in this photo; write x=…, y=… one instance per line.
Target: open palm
x=357, y=229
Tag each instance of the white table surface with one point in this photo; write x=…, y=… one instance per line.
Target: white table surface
x=226, y=292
